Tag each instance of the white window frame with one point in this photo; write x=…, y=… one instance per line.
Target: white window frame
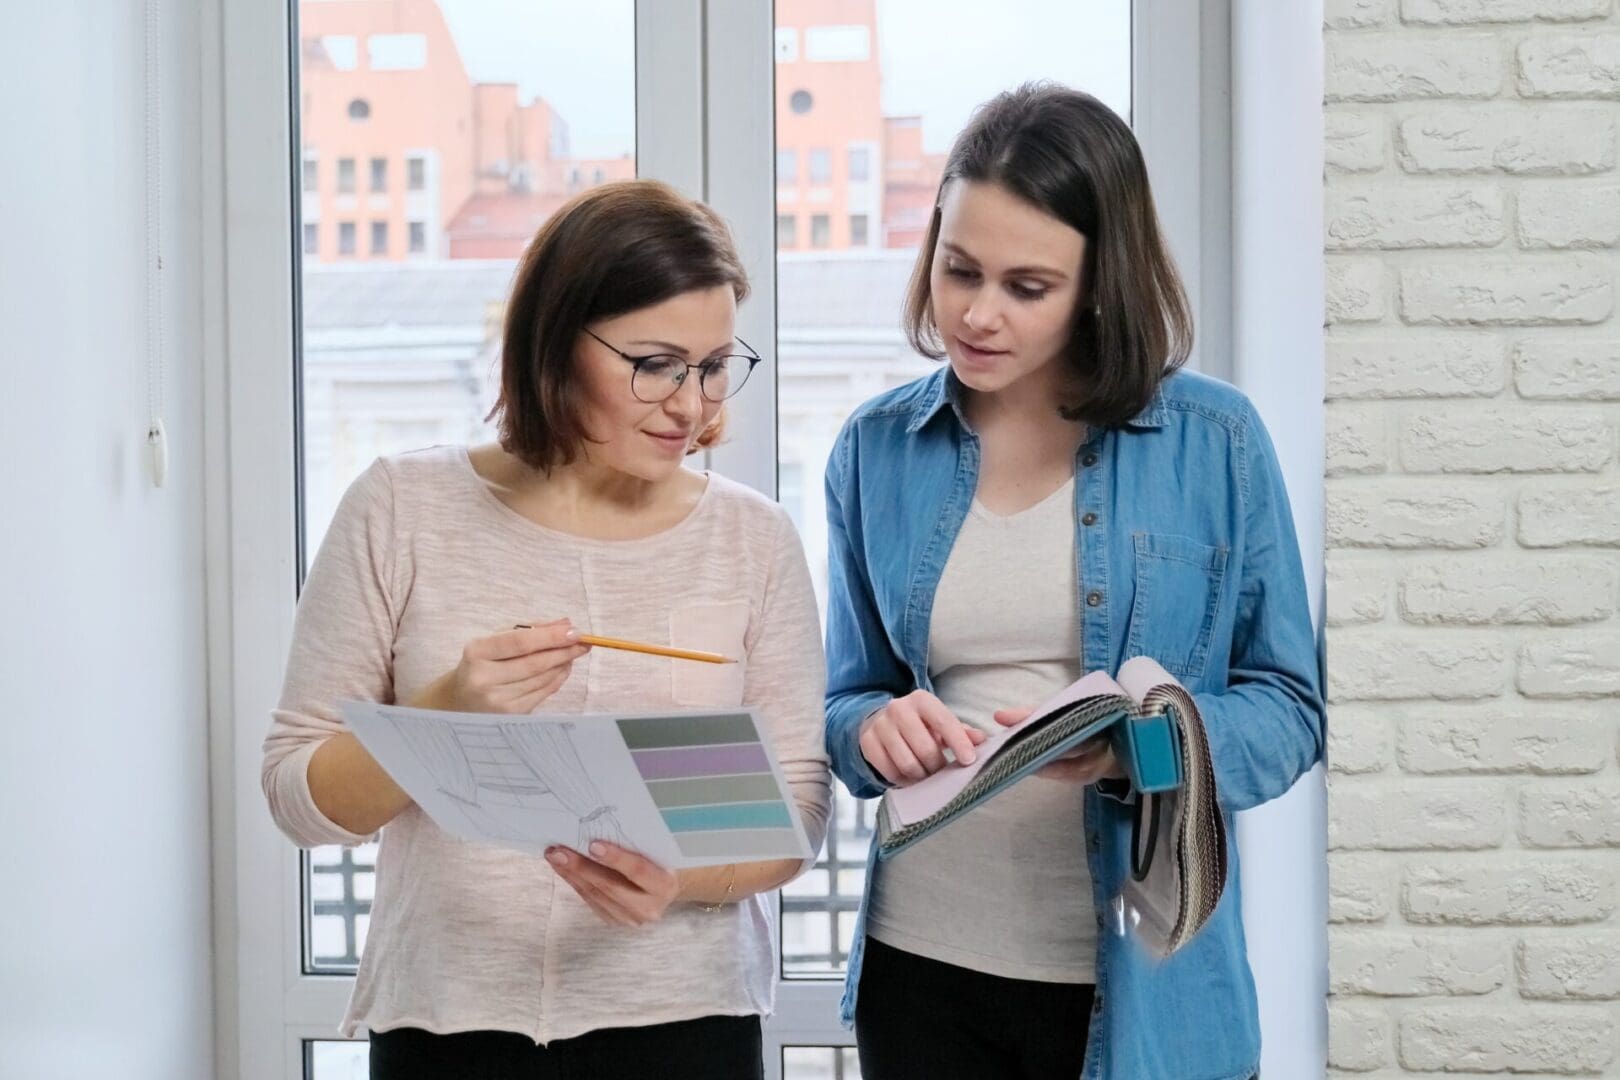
x=702, y=124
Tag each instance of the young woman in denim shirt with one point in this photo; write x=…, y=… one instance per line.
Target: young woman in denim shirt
x=1057, y=498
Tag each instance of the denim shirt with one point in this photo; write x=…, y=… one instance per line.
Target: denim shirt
x=1187, y=554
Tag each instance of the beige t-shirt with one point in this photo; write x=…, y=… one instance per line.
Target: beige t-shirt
x=1005, y=888
x=421, y=558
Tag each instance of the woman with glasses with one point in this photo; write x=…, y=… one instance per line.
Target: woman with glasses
x=1057, y=498
x=617, y=359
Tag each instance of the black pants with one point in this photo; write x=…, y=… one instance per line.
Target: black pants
x=709, y=1048
x=916, y=1017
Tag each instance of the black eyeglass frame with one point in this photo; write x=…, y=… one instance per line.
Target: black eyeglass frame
x=703, y=368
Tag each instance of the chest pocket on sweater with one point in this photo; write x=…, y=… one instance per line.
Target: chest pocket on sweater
x=717, y=628
x=1178, y=590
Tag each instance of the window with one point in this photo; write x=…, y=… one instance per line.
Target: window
x=820, y=230
x=397, y=52
x=860, y=164
x=787, y=44
x=342, y=51
x=787, y=167
x=820, y=166
x=311, y=175
x=395, y=356
x=838, y=44
x=838, y=302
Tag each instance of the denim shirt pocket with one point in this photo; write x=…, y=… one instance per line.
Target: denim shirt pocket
x=1178, y=591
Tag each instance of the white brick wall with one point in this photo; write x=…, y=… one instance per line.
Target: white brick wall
x=1472, y=243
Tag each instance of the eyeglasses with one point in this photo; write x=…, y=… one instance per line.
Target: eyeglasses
x=657, y=378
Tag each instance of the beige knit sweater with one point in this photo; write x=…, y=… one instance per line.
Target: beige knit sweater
x=421, y=558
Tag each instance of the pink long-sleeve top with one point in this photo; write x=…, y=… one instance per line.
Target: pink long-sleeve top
x=421, y=558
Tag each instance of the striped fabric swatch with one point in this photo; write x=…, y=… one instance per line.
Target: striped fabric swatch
x=711, y=781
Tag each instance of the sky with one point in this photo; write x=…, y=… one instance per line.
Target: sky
x=940, y=57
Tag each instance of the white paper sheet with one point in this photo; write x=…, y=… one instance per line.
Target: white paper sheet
x=699, y=788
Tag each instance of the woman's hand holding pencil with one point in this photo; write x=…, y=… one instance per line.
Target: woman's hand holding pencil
x=509, y=672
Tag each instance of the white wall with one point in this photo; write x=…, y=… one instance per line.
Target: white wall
x=104, y=894
x=1277, y=359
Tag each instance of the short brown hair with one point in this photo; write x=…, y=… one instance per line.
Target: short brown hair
x=1066, y=153
x=611, y=250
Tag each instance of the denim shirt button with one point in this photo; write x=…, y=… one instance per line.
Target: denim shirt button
x=1089, y=460
x=1093, y=599
x=1089, y=519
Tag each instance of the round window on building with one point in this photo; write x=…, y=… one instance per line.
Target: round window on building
x=359, y=109
x=800, y=102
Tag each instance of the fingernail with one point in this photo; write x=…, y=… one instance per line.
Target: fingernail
x=557, y=858
x=598, y=848
x=572, y=635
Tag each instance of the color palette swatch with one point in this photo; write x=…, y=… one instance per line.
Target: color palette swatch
x=712, y=782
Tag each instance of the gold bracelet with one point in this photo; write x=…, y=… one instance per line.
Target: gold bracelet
x=718, y=904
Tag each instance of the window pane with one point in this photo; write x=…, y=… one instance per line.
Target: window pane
x=820, y=1063
x=820, y=230
x=331, y=1059
x=893, y=81
x=491, y=109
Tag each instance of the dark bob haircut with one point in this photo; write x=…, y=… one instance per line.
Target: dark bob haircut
x=614, y=249
x=1067, y=154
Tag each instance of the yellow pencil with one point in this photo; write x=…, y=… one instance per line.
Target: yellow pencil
x=651, y=650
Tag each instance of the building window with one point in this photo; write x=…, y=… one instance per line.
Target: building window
x=379, y=237
x=346, y=176
x=346, y=238
x=312, y=237
x=800, y=101
x=837, y=44
x=342, y=51
x=820, y=230
x=397, y=52
x=312, y=174
x=597, y=176
x=416, y=173
x=857, y=230
x=418, y=237
x=787, y=166
x=379, y=174
x=860, y=164
x=787, y=44
x=821, y=166
x=359, y=109
x=787, y=231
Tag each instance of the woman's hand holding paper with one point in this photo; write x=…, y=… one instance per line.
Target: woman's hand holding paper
x=624, y=888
